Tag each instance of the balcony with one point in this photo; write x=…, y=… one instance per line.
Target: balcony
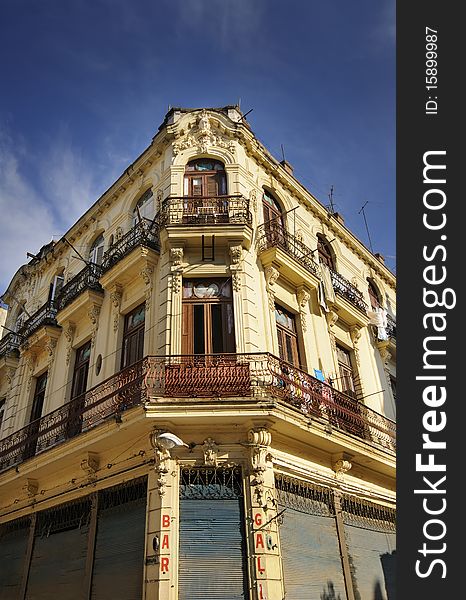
x=189, y=218
x=9, y=345
x=294, y=257
x=86, y=279
x=45, y=316
x=216, y=377
x=391, y=328
x=141, y=235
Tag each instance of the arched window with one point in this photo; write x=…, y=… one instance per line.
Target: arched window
x=373, y=295
x=205, y=177
x=144, y=207
x=324, y=252
x=97, y=250
x=272, y=210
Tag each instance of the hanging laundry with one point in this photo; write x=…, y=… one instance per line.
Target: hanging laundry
x=327, y=283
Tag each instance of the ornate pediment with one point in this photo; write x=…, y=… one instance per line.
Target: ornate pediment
x=203, y=135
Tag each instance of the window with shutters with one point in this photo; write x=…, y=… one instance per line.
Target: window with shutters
x=272, y=210
x=208, y=324
x=2, y=411
x=144, y=208
x=205, y=177
x=347, y=375
x=324, y=252
x=78, y=389
x=97, y=250
x=35, y=414
x=373, y=295
x=287, y=336
x=55, y=286
x=133, y=336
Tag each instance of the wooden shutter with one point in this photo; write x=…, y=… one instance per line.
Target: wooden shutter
x=120, y=541
x=309, y=542
x=211, y=185
x=212, y=544
x=187, y=329
x=13, y=547
x=58, y=560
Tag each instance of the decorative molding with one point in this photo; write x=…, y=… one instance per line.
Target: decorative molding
x=271, y=276
x=146, y=274
x=259, y=440
x=90, y=465
x=116, y=297
x=176, y=258
x=161, y=462
x=203, y=137
x=236, y=254
x=341, y=464
x=210, y=450
x=30, y=488
x=93, y=313
x=303, y=296
x=355, y=334
x=50, y=348
x=69, y=331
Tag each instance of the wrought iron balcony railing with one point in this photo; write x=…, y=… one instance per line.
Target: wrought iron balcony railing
x=45, y=315
x=273, y=235
x=86, y=279
x=205, y=210
x=346, y=289
x=391, y=327
x=143, y=233
x=9, y=344
x=216, y=376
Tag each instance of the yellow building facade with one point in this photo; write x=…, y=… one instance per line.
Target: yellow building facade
x=197, y=386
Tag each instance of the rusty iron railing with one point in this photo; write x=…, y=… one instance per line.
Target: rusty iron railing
x=274, y=235
x=346, y=289
x=9, y=344
x=45, y=315
x=260, y=377
x=205, y=210
x=143, y=233
x=86, y=279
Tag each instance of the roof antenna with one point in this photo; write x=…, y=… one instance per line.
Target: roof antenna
x=365, y=221
x=249, y=111
x=283, y=153
x=330, y=197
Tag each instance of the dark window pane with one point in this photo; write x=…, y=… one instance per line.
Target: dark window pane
x=199, y=342
x=217, y=329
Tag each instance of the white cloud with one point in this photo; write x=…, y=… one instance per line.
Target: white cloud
x=35, y=210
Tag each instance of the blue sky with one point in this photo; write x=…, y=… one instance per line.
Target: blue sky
x=86, y=83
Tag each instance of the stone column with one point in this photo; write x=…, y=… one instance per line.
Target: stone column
x=265, y=562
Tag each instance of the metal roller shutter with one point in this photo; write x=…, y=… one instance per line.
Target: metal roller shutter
x=13, y=545
x=309, y=542
x=58, y=560
x=371, y=542
x=120, y=541
x=212, y=553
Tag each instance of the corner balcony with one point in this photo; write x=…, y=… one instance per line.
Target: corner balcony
x=188, y=218
x=130, y=254
x=292, y=256
x=260, y=381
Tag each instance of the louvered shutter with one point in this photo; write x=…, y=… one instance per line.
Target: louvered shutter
x=212, y=546
x=212, y=185
x=119, y=548
x=58, y=560
x=13, y=546
x=309, y=545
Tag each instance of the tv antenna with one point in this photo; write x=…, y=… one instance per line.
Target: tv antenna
x=365, y=221
x=330, y=197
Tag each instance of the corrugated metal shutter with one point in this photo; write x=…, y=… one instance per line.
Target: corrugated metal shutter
x=309, y=542
x=13, y=545
x=119, y=548
x=212, y=553
x=59, y=556
x=371, y=542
